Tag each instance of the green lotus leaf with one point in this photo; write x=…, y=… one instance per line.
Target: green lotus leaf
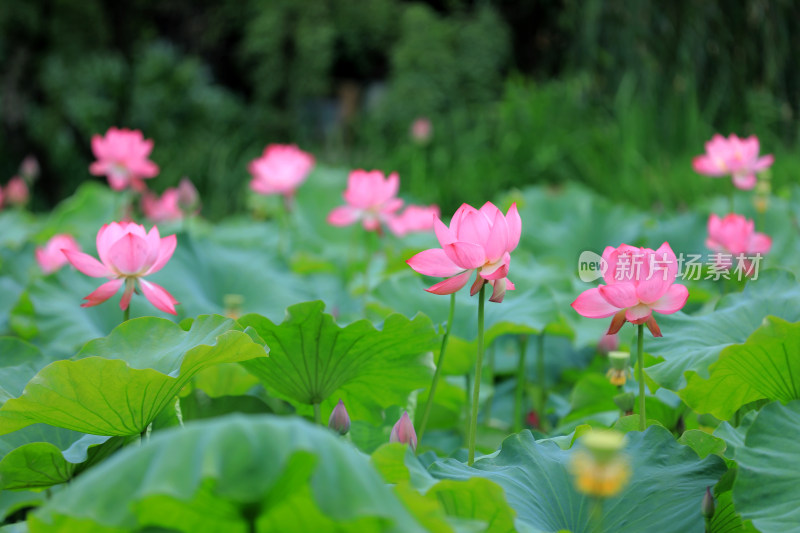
x=726, y=519
x=19, y=363
x=766, y=490
x=235, y=473
x=702, y=443
x=40, y=456
x=118, y=384
x=313, y=360
x=692, y=343
x=764, y=367
x=664, y=493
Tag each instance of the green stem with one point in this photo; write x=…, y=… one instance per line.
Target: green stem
x=476, y=386
x=467, y=408
x=126, y=314
x=429, y=404
x=597, y=515
x=640, y=377
x=542, y=376
x=317, y=414
x=518, y=396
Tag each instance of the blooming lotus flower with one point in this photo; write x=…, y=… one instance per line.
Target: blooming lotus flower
x=127, y=253
x=339, y=420
x=122, y=158
x=639, y=282
x=403, y=431
x=414, y=218
x=51, y=257
x=280, y=169
x=16, y=192
x=370, y=198
x=734, y=156
x=477, y=240
x=735, y=235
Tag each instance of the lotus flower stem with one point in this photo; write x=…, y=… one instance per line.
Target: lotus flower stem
x=640, y=377
x=317, y=415
x=542, y=375
x=126, y=314
x=476, y=386
x=518, y=396
x=426, y=414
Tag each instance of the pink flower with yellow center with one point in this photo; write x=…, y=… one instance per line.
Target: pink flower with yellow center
x=735, y=157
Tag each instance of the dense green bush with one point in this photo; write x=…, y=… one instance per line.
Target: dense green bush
x=602, y=92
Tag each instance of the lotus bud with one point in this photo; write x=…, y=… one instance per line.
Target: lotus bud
x=188, y=197
x=403, y=431
x=339, y=420
x=707, y=507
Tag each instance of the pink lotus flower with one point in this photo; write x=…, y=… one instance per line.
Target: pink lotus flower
x=127, y=253
x=51, y=257
x=403, y=431
x=370, y=198
x=29, y=169
x=421, y=130
x=639, y=282
x=414, y=218
x=735, y=236
x=122, y=158
x=734, y=156
x=16, y=192
x=480, y=240
x=280, y=169
x=160, y=209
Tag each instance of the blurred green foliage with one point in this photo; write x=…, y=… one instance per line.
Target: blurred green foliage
x=617, y=95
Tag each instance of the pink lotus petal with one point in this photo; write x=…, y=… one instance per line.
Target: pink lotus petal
x=759, y=244
x=497, y=270
x=638, y=314
x=128, y=254
x=88, y=264
x=127, y=294
x=343, y=216
x=745, y=182
x=465, y=254
x=763, y=163
x=620, y=295
x=434, y=262
x=403, y=431
x=443, y=234
x=450, y=285
x=102, y=293
x=498, y=290
x=166, y=248
x=474, y=228
x=616, y=323
x=497, y=241
x=514, y=223
x=158, y=296
x=672, y=301
x=591, y=304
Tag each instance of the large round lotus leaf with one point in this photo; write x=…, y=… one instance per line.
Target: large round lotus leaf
x=118, y=384
x=313, y=360
x=692, y=342
x=233, y=474
x=766, y=366
x=766, y=489
x=666, y=487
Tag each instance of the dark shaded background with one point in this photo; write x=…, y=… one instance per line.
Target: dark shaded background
x=618, y=95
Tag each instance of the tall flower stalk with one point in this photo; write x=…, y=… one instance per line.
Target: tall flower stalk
x=476, y=386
